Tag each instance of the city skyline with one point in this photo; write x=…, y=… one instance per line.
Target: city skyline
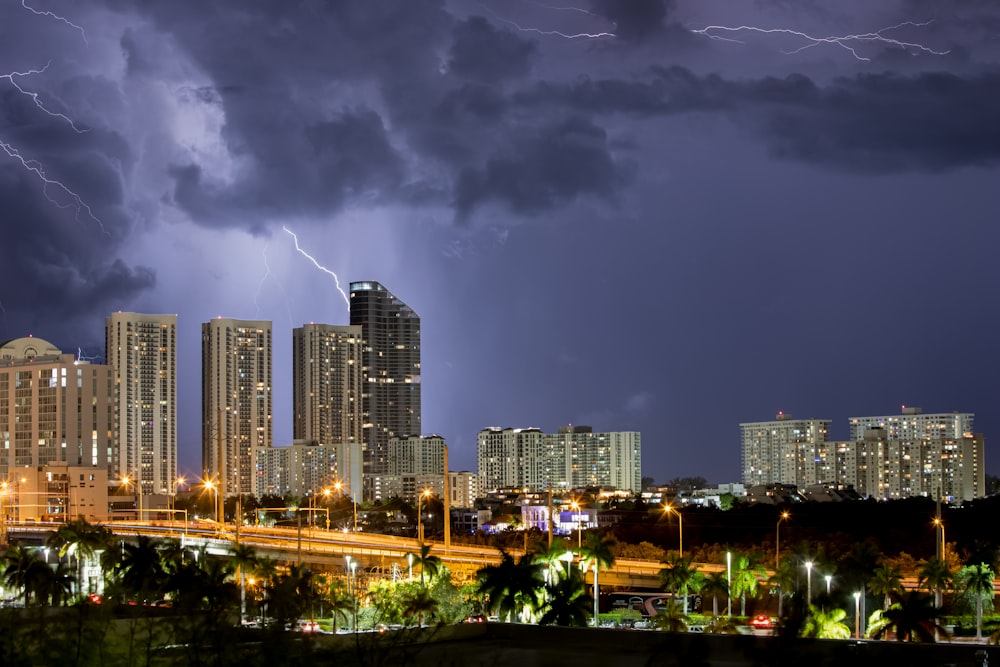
x=669, y=217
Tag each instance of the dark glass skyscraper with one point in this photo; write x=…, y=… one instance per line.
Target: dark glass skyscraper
x=390, y=360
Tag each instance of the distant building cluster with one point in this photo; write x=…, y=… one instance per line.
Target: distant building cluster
x=71, y=430
x=887, y=457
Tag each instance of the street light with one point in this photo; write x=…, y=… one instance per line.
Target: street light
x=942, y=546
x=857, y=614
x=409, y=558
x=667, y=509
x=138, y=491
x=777, y=538
x=809, y=582
x=213, y=494
x=420, y=525
x=829, y=578
x=575, y=506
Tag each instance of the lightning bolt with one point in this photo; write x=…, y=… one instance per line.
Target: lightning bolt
x=539, y=31
x=260, y=288
x=34, y=96
x=319, y=266
x=35, y=167
x=65, y=20
x=80, y=356
x=847, y=42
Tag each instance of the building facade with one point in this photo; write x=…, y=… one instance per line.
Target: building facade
x=236, y=401
x=142, y=350
x=784, y=451
x=306, y=468
x=390, y=330
x=327, y=383
x=56, y=431
x=464, y=488
x=574, y=457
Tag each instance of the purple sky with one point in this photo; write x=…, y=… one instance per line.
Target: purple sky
x=669, y=227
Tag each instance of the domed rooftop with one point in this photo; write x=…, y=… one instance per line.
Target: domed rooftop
x=26, y=349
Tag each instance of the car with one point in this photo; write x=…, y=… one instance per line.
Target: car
x=476, y=618
x=761, y=622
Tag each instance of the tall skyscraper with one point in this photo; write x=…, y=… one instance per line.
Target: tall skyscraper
x=327, y=383
x=913, y=425
x=236, y=400
x=142, y=350
x=391, y=365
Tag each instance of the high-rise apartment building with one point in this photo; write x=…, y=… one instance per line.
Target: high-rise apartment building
x=390, y=330
x=236, y=400
x=913, y=425
x=574, y=457
x=327, y=383
x=308, y=469
x=783, y=451
x=56, y=431
x=142, y=350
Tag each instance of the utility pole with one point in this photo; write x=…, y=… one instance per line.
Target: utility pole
x=447, y=503
x=551, y=518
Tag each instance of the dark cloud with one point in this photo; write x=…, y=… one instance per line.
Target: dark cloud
x=483, y=52
x=545, y=166
x=868, y=122
x=634, y=20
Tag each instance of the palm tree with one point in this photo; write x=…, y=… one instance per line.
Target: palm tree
x=243, y=557
x=428, y=563
x=936, y=576
x=678, y=576
x=783, y=581
x=597, y=552
x=142, y=571
x=80, y=540
x=912, y=616
x=978, y=581
x=671, y=618
x=24, y=570
x=419, y=603
x=511, y=586
x=747, y=576
x=886, y=581
x=826, y=624
x=568, y=602
x=715, y=584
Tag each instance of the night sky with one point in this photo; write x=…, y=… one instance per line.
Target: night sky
x=666, y=227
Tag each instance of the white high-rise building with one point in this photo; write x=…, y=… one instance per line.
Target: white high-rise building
x=572, y=458
x=236, y=400
x=142, y=350
x=913, y=425
x=784, y=451
x=327, y=383
x=308, y=469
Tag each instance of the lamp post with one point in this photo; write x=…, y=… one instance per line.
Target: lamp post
x=809, y=582
x=729, y=584
x=777, y=539
x=409, y=559
x=137, y=483
x=213, y=493
x=857, y=614
x=829, y=578
x=420, y=524
x=941, y=545
x=575, y=506
x=667, y=509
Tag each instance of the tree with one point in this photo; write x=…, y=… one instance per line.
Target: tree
x=243, y=557
x=678, y=576
x=912, y=617
x=428, y=563
x=977, y=580
x=598, y=553
x=936, y=576
x=25, y=571
x=82, y=541
x=671, y=618
x=885, y=581
x=418, y=604
x=567, y=601
x=783, y=581
x=715, y=585
x=826, y=624
x=512, y=585
x=747, y=576
x=141, y=569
